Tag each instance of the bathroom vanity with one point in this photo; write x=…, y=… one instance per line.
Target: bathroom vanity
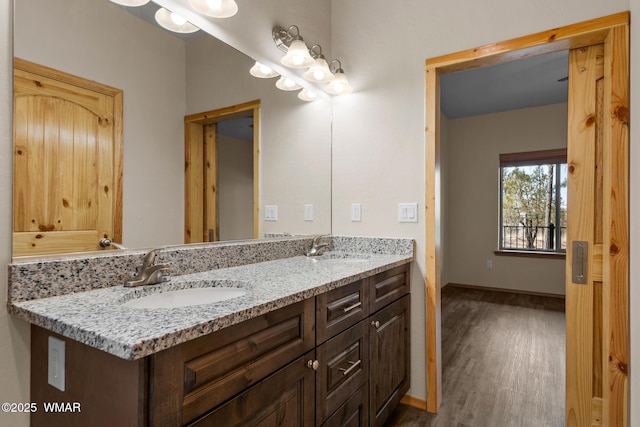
x=320, y=341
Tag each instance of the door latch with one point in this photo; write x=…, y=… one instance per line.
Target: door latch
x=579, y=261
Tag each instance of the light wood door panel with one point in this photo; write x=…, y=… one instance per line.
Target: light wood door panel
x=67, y=162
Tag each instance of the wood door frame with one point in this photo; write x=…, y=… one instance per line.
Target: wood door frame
x=613, y=31
x=194, y=200
x=118, y=119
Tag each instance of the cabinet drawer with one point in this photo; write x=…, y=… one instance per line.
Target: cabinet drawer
x=388, y=286
x=339, y=309
x=354, y=413
x=282, y=399
x=343, y=369
x=190, y=379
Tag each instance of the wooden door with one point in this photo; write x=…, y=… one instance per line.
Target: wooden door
x=67, y=162
x=597, y=263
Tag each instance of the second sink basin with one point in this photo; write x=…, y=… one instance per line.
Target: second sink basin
x=185, y=297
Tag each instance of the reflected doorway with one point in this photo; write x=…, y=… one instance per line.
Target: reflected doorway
x=221, y=174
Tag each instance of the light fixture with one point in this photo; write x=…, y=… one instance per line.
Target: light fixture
x=174, y=22
x=339, y=85
x=307, y=95
x=319, y=71
x=215, y=8
x=285, y=83
x=262, y=71
x=298, y=55
x=130, y=3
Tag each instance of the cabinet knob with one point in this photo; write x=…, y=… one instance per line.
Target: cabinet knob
x=375, y=323
x=313, y=364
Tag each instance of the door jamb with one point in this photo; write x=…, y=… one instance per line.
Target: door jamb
x=570, y=37
x=194, y=165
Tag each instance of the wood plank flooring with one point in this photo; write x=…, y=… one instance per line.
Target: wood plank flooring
x=503, y=360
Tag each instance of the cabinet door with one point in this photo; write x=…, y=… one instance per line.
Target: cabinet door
x=340, y=308
x=354, y=413
x=283, y=399
x=343, y=369
x=389, y=340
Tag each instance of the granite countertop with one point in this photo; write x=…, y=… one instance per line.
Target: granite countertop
x=99, y=319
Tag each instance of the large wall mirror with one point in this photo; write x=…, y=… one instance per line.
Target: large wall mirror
x=165, y=78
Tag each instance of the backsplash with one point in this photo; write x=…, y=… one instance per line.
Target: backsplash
x=60, y=275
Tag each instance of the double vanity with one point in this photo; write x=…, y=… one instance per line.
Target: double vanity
x=244, y=333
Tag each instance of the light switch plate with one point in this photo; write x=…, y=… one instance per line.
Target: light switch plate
x=356, y=212
x=55, y=375
x=308, y=212
x=271, y=213
x=408, y=212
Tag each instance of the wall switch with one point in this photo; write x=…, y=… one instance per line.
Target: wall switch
x=308, y=212
x=56, y=373
x=356, y=212
x=408, y=212
x=271, y=213
x=489, y=264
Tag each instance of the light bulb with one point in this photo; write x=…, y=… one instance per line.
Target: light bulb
x=289, y=83
x=319, y=75
x=214, y=4
x=177, y=19
x=264, y=69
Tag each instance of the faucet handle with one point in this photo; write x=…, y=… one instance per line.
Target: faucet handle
x=149, y=259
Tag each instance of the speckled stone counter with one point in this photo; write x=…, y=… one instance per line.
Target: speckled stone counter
x=97, y=317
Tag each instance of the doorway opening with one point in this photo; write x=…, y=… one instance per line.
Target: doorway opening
x=221, y=174
x=608, y=274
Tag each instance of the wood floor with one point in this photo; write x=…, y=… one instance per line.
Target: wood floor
x=503, y=360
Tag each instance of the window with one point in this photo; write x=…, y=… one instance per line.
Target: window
x=533, y=201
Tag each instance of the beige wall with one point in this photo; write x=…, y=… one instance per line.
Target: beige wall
x=235, y=188
x=475, y=144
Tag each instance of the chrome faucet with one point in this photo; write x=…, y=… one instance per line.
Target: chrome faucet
x=316, y=247
x=150, y=272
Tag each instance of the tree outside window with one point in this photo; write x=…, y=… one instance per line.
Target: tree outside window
x=533, y=208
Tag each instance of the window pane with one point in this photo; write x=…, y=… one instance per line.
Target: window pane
x=532, y=208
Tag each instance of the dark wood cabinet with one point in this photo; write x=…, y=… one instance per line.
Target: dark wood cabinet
x=390, y=359
x=339, y=359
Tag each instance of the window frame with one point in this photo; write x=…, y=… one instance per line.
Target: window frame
x=530, y=158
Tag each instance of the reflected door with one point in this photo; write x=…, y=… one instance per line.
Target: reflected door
x=66, y=177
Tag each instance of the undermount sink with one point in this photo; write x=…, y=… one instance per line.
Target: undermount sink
x=185, y=297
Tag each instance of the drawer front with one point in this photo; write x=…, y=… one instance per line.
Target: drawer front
x=339, y=309
x=388, y=286
x=191, y=379
x=354, y=413
x=282, y=399
x=343, y=369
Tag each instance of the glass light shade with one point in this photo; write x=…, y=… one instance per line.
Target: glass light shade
x=319, y=72
x=339, y=85
x=262, y=71
x=307, y=95
x=215, y=8
x=297, y=56
x=130, y=3
x=285, y=83
x=174, y=22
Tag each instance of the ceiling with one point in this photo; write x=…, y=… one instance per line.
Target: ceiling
x=523, y=83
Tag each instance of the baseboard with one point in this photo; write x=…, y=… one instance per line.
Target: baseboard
x=414, y=402
x=512, y=291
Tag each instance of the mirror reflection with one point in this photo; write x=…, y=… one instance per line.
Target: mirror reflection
x=163, y=80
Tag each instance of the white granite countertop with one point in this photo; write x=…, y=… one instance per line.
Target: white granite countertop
x=99, y=319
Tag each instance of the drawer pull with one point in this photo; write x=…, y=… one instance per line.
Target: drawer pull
x=354, y=365
x=313, y=364
x=352, y=306
x=375, y=323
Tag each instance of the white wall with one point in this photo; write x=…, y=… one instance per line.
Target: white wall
x=475, y=144
x=148, y=64
x=378, y=131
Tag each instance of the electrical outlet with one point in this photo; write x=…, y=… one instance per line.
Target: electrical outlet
x=55, y=374
x=356, y=212
x=489, y=264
